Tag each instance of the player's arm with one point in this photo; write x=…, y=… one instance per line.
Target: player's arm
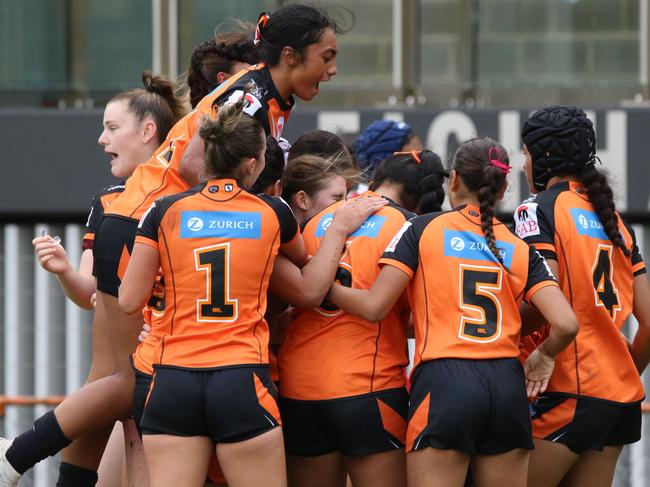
x=308, y=286
x=78, y=285
x=139, y=278
x=641, y=309
x=372, y=304
x=531, y=319
x=543, y=292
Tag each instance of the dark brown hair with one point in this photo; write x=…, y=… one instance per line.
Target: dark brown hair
x=230, y=137
x=310, y=173
x=156, y=100
x=219, y=54
x=472, y=163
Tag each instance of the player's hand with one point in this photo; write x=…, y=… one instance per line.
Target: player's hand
x=93, y=300
x=354, y=212
x=538, y=368
x=146, y=329
x=51, y=255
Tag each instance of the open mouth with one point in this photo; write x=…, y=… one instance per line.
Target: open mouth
x=113, y=155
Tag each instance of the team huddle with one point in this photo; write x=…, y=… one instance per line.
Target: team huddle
x=278, y=284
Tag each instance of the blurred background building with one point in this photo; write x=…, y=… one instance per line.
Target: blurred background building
x=451, y=68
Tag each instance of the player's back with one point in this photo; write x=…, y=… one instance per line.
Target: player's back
x=328, y=353
x=465, y=304
x=597, y=279
x=217, y=246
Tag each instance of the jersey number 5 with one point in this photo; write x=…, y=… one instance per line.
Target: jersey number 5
x=605, y=292
x=476, y=285
x=218, y=306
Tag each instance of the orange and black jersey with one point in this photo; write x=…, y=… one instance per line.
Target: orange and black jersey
x=217, y=245
x=100, y=203
x=597, y=279
x=160, y=175
x=350, y=356
x=465, y=304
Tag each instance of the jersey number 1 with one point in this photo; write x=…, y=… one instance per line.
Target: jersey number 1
x=215, y=262
x=606, y=293
x=476, y=296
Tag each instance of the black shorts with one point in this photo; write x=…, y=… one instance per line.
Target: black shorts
x=583, y=423
x=227, y=405
x=111, y=251
x=140, y=392
x=478, y=407
x=358, y=425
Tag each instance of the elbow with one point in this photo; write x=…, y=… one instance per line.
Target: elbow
x=570, y=327
x=374, y=315
x=128, y=305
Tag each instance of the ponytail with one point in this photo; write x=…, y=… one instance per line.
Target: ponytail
x=602, y=199
x=157, y=100
x=482, y=164
x=420, y=175
x=230, y=137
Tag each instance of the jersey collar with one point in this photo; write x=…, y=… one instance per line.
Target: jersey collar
x=221, y=189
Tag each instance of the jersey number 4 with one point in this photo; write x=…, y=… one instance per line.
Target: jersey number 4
x=218, y=306
x=605, y=292
x=483, y=322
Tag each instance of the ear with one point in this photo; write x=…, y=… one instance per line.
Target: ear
x=222, y=76
x=277, y=188
x=453, y=181
x=149, y=131
x=290, y=56
x=302, y=200
x=249, y=165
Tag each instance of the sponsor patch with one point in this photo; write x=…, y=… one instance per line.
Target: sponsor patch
x=587, y=223
x=392, y=245
x=526, y=220
x=468, y=245
x=369, y=228
x=252, y=103
x=221, y=224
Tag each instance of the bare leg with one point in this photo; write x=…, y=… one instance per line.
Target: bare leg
x=321, y=471
x=386, y=469
x=432, y=467
x=510, y=468
x=100, y=403
x=258, y=461
x=110, y=468
x=137, y=474
x=549, y=463
x=178, y=460
x=594, y=468
x=87, y=451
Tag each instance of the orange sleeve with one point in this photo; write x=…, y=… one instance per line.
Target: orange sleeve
x=146, y=241
x=397, y=264
x=540, y=285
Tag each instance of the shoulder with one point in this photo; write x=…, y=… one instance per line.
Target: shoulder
x=254, y=80
x=393, y=207
x=164, y=203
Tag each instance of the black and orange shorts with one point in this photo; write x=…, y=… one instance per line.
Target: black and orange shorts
x=583, y=423
x=357, y=425
x=478, y=407
x=112, y=250
x=140, y=393
x=228, y=404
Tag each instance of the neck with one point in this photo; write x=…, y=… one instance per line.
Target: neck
x=463, y=199
x=391, y=191
x=299, y=214
x=279, y=75
x=561, y=179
